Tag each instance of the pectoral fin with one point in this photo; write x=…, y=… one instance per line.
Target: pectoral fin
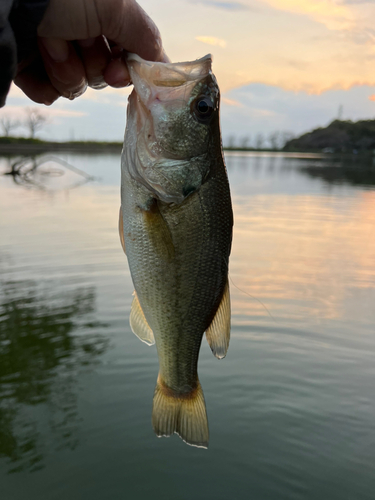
x=218, y=333
x=159, y=232
x=138, y=323
x=121, y=230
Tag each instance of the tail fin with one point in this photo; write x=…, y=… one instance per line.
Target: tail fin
x=184, y=414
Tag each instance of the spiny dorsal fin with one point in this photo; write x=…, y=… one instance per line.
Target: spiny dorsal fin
x=138, y=323
x=121, y=230
x=218, y=333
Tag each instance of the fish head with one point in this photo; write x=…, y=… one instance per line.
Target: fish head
x=172, y=126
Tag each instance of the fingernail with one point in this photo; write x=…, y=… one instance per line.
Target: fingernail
x=57, y=49
x=121, y=83
x=97, y=83
x=78, y=91
x=89, y=42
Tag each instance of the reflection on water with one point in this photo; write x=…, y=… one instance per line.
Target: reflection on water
x=47, y=173
x=355, y=175
x=45, y=340
x=292, y=408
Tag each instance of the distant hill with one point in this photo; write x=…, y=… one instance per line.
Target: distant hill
x=339, y=136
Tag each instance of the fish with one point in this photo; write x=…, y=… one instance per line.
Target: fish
x=175, y=227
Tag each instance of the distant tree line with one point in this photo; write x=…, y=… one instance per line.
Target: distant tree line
x=340, y=136
x=34, y=121
x=275, y=141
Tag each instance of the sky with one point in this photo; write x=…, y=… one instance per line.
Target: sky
x=282, y=65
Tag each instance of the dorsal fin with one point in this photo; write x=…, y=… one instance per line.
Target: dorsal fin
x=138, y=323
x=218, y=333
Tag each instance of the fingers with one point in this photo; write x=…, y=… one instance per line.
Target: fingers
x=34, y=82
x=63, y=66
x=74, y=50
x=122, y=21
x=96, y=55
x=132, y=29
x=117, y=74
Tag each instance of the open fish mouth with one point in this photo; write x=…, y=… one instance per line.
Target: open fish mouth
x=169, y=125
x=161, y=89
x=157, y=81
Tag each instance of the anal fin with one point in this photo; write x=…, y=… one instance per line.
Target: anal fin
x=138, y=323
x=218, y=333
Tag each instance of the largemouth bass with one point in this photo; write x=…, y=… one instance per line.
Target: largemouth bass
x=176, y=230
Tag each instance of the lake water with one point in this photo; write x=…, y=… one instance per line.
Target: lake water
x=291, y=408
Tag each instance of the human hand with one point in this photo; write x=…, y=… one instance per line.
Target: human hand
x=84, y=42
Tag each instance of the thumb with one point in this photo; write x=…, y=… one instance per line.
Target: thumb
x=123, y=22
x=136, y=32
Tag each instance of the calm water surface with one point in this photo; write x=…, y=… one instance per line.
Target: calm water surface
x=291, y=408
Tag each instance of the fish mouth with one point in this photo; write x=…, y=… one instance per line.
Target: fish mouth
x=162, y=155
x=160, y=89
x=160, y=81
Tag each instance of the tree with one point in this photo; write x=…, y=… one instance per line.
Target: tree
x=259, y=141
x=285, y=138
x=231, y=141
x=8, y=124
x=274, y=139
x=245, y=142
x=35, y=121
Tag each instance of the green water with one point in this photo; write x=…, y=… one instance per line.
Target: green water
x=291, y=408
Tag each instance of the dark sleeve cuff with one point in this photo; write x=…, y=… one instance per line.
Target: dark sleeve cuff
x=19, y=20
x=24, y=20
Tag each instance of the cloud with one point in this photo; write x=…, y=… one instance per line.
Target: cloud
x=334, y=16
x=231, y=6
x=297, y=64
x=231, y=102
x=212, y=40
x=64, y=112
x=263, y=112
x=355, y=2
x=20, y=111
x=266, y=108
x=103, y=95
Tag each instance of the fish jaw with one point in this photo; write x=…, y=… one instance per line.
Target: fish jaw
x=165, y=144
x=157, y=81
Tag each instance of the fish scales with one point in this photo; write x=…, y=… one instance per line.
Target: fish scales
x=177, y=249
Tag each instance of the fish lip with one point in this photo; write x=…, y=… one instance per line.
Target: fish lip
x=135, y=57
x=153, y=81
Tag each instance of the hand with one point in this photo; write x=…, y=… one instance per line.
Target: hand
x=84, y=42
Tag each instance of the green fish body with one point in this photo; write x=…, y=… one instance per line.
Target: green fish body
x=176, y=226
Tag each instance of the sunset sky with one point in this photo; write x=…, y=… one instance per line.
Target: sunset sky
x=286, y=65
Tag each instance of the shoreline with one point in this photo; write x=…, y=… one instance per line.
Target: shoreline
x=22, y=146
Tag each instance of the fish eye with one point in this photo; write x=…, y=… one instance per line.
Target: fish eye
x=203, y=107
